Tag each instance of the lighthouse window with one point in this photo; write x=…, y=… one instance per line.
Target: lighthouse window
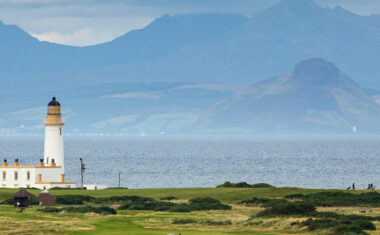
x=16, y=175
x=60, y=131
x=4, y=175
x=28, y=175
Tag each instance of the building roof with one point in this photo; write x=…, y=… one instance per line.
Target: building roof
x=23, y=193
x=54, y=102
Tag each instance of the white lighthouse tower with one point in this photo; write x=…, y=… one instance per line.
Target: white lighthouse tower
x=50, y=171
x=53, y=152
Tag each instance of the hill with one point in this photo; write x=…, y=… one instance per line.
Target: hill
x=314, y=98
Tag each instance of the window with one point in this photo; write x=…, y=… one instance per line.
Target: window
x=28, y=175
x=60, y=131
x=16, y=175
x=4, y=175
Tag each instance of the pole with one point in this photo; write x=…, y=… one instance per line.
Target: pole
x=119, y=179
x=82, y=168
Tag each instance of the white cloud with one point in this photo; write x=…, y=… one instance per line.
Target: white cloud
x=136, y=95
x=83, y=37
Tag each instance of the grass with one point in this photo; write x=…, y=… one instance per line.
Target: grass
x=238, y=220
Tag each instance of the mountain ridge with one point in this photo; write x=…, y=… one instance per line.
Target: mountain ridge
x=321, y=100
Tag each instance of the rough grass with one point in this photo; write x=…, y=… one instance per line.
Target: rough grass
x=153, y=222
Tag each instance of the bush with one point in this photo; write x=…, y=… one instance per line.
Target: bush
x=121, y=199
x=341, y=224
x=196, y=204
x=287, y=209
x=50, y=209
x=147, y=205
x=200, y=204
x=182, y=207
x=184, y=221
x=201, y=200
x=168, y=198
x=104, y=210
x=343, y=199
x=207, y=222
x=73, y=199
x=243, y=185
x=294, y=196
x=212, y=222
x=264, y=202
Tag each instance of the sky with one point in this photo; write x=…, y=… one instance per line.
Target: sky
x=89, y=22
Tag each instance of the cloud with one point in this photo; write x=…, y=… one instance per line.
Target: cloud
x=83, y=37
x=136, y=95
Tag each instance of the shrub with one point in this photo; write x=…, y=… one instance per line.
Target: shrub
x=294, y=196
x=184, y=221
x=287, y=209
x=50, y=209
x=343, y=199
x=200, y=204
x=196, y=204
x=147, y=205
x=182, y=207
x=207, y=222
x=104, y=210
x=341, y=224
x=264, y=202
x=73, y=199
x=168, y=198
x=121, y=199
x=228, y=184
x=212, y=222
x=201, y=200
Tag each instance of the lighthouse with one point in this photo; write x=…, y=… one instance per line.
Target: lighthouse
x=50, y=171
x=53, y=149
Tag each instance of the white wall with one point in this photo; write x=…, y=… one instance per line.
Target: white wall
x=54, y=145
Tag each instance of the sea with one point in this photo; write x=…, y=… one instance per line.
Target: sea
x=207, y=161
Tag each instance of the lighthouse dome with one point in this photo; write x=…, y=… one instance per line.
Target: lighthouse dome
x=54, y=102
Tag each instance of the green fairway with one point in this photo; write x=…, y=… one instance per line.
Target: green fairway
x=239, y=218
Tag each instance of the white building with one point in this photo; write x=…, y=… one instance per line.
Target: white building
x=50, y=172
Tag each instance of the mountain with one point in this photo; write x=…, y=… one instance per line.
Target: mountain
x=25, y=60
x=271, y=42
x=314, y=98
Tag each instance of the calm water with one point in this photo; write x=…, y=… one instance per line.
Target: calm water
x=144, y=162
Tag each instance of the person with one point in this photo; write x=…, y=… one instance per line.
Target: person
x=353, y=186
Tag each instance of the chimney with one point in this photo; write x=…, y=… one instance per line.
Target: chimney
x=16, y=162
x=41, y=163
x=52, y=162
x=5, y=162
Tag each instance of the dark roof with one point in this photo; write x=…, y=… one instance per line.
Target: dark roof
x=23, y=193
x=54, y=102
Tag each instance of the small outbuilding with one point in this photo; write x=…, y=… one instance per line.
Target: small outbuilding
x=22, y=198
x=46, y=199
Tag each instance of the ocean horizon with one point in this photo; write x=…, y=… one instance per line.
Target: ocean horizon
x=207, y=161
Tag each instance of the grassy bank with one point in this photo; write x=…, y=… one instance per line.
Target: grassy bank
x=242, y=218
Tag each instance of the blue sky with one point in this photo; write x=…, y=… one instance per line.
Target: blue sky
x=88, y=22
